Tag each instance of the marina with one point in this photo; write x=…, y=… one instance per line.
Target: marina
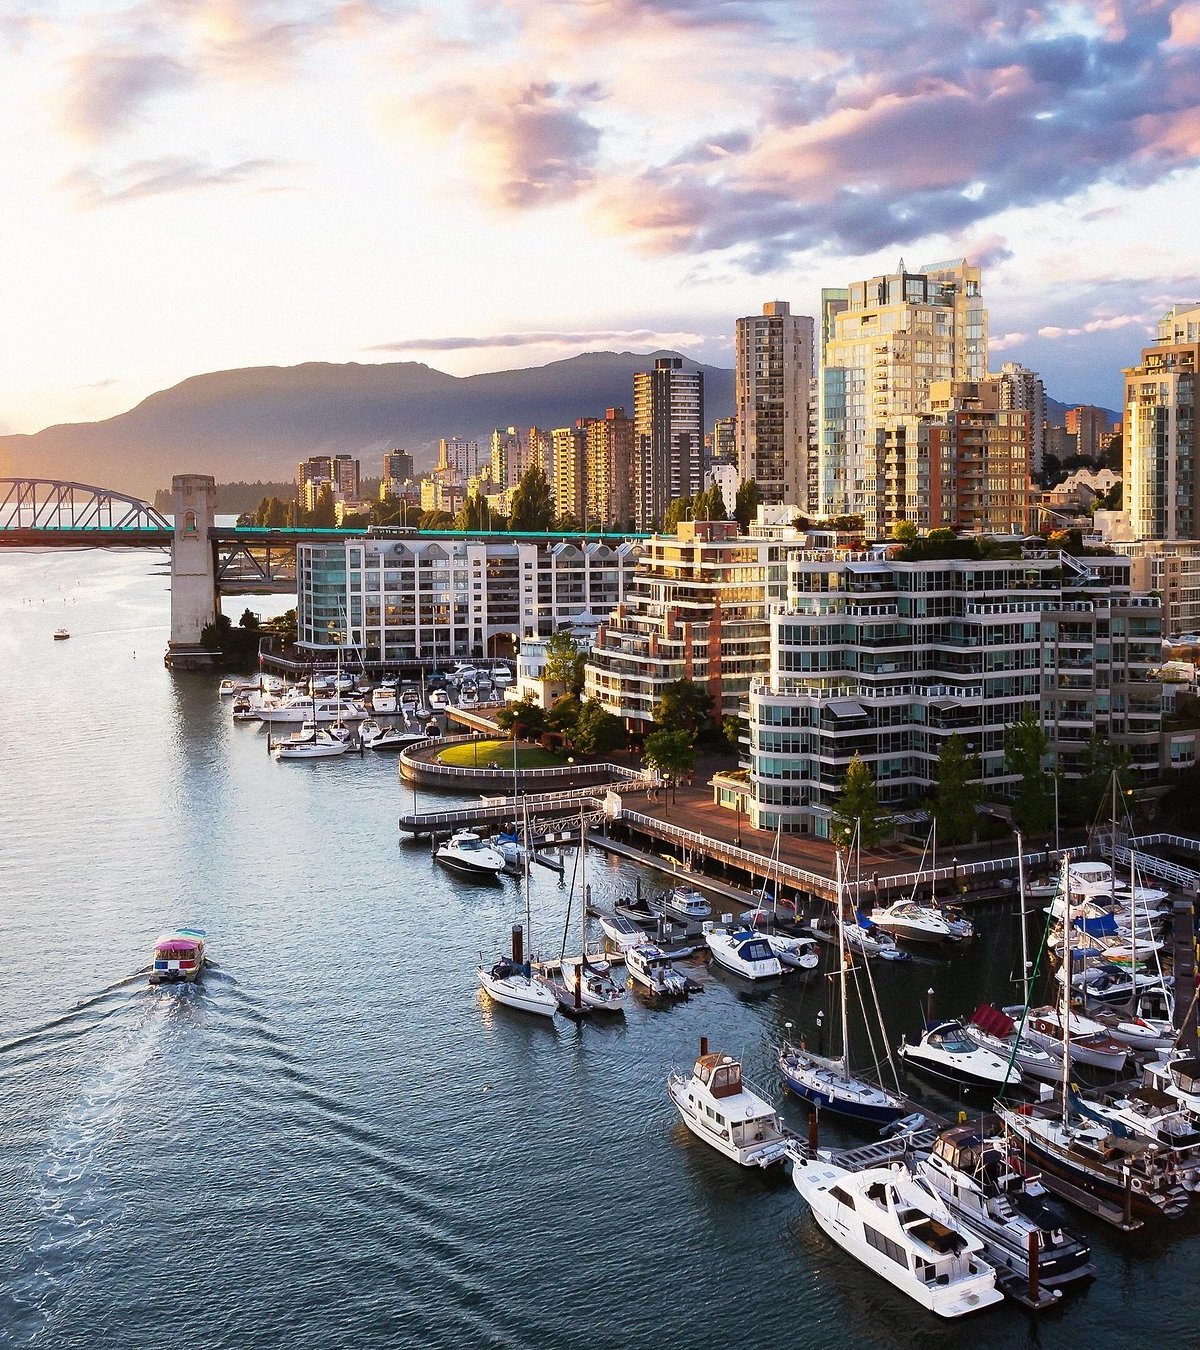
x=296, y=1034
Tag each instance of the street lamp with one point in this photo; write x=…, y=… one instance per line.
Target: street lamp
x=737, y=801
x=954, y=882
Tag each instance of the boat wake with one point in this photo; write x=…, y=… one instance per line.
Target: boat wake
x=85, y=1016
x=73, y=1192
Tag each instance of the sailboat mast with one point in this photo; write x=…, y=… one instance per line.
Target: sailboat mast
x=528, y=907
x=842, y=963
x=1021, y=911
x=1066, y=998
x=582, y=910
x=933, y=865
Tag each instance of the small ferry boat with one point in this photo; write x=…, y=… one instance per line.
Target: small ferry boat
x=61, y=634
x=900, y=1230
x=178, y=957
x=723, y=1111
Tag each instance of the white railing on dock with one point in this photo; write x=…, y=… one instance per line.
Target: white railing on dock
x=605, y=769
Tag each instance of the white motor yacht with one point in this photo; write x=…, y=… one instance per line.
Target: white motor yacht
x=383, y=701
x=439, y=700
x=912, y=922
x=652, y=967
x=465, y=852
x=724, y=1112
x=377, y=737
x=743, y=951
x=1010, y=1214
x=515, y=987
x=795, y=953
x=945, y=1051
x=686, y=904
x=318, y=744
x=900, y=1230
x=621, y=932
x=296, y=709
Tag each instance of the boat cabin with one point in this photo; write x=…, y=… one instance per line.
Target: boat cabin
x=176, y=956
x=962, y=1149
x=720, y=1074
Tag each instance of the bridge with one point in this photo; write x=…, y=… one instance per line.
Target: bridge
x=206, y=559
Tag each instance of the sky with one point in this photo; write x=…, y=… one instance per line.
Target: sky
x=197, y=185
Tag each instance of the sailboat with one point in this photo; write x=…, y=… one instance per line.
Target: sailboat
x=829, y=1082
x=587, y=985
x=512, y=982
x=1066, y=1142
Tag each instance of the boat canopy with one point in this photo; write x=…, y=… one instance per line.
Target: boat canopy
x=993, y=1021
x=721, y=1074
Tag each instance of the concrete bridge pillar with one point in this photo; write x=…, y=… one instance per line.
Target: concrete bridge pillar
x=193, y=570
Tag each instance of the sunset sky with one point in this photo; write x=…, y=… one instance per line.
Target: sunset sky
x=193, y=185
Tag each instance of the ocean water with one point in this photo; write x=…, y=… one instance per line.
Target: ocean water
x=335, y=1140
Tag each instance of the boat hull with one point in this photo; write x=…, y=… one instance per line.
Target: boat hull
x=827, y=1098
x=521, y=995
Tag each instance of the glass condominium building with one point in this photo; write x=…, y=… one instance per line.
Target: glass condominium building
x=888, y=659
x=433, y=599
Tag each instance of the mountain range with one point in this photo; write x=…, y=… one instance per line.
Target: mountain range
x=256, y=423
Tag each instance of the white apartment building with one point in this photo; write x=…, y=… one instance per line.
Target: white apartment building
x=887, y=659
x=440, y=596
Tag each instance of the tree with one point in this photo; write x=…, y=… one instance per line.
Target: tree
x=678, y=510
x=597, y=731
x=436, y=520
x=745, y=506
x=672, y=754
x=564, y=714
x=564, y=662
x=526, y=716
x=1088, y=795
x=957, y=794
x=474, y=516
x=248, y=620
x=323, y=516
x=710, y=505
x=532, y=507
x=684, y=706
x=858, y=806
x=1025, y=747
x=904, y=531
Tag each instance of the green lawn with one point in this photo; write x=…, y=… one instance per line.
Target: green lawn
x=481, y=754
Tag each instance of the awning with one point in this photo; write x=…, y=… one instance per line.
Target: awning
x=944, y=704
x=868, y=567
x=845, y=707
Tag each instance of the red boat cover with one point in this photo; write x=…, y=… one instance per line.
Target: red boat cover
x=173, y=951
x=993, y=1021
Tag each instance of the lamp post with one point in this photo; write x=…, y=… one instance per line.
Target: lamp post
x=737, y=801
x=954, y=881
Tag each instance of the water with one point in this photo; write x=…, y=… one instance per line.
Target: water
x=335, y=1141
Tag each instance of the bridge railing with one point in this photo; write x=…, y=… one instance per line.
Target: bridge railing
x=54, y=505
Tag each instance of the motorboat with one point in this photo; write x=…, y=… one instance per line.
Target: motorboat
x=960, y=927
x=468, y=696
x=244, y=710
x=318, y=744
x=377, y=737
x=1105, y=982
x=439, y=700
x=742, y=951
x=902, y=1231
x=621, y=932
x=1156, y=1117
x=684, y=903
x=297, y=709
x=1086, y=1153
x=639, y=910
x=652, y=967
x=911, y=922
x=996, y=1031
x=946, y=1051
x=338, y=730
x=232, y=685
x=61, y=634
x=1010, y=1214
x=588, y=983
x=465, y=852
x=501, y=675
x=793, y=953
x=1178, y=1078
x=1089, y=1041
x=1139, y=1033
x=178, y=957
x=726, y=1113
x=514, y=985
x=383, y=701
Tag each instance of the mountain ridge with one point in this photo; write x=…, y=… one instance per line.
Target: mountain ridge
x=256, y=422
